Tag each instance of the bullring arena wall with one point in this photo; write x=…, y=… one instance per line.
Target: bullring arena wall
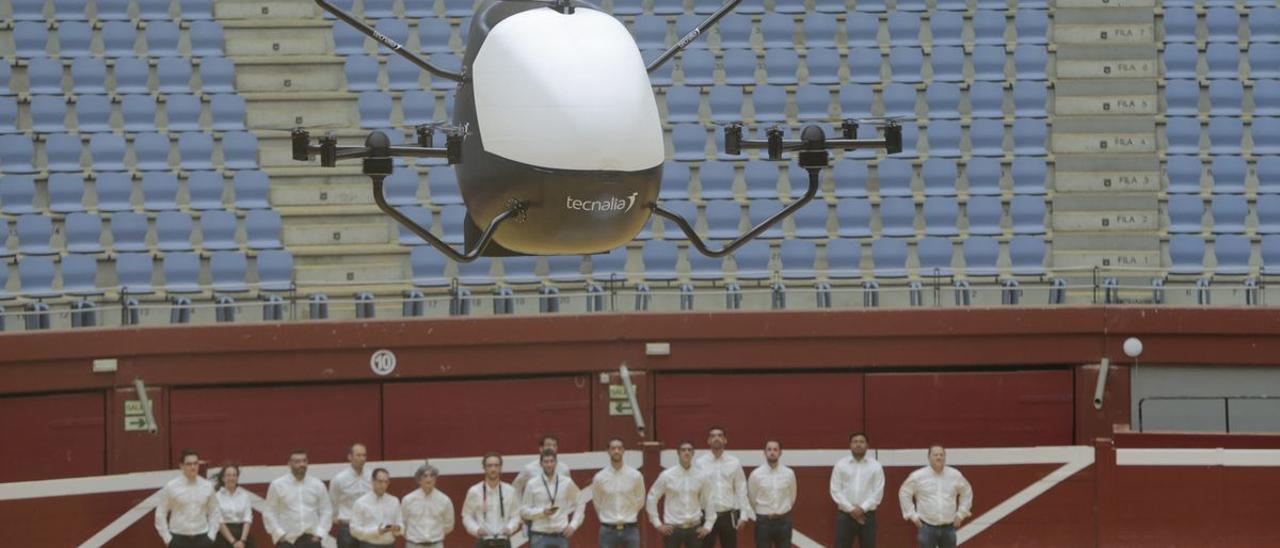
x=1009, y=391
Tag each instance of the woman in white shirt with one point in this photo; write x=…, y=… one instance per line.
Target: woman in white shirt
x=236, y=510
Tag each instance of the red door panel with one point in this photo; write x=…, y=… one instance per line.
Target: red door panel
x=47, y=437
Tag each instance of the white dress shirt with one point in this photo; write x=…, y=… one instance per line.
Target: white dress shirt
x=346, y=487
x=187, y=507
x=371, y=513
x=935, y=495
x=533, y=470
x=728, y=483
x=297, y=507
x=426, y=517
x=235, y=508
x=772, y=489
x=687, y=492
x=488, y=512
x=857, y=483
x=542, y=493
x=618, y=494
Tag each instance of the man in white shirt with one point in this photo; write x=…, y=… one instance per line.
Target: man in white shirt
x=375, y=517
x=427, y=513
x=345, y=488
x=772, y=491
x=857, y=487
x=547, y=503
x=617, y=491
x=491, y=512
x=686, y=514
x=548, y=442
x=297, y=511
x=187, y=513
x=937, y=499
x=728, y=490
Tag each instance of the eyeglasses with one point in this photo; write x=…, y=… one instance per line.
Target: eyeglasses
x=197, y=463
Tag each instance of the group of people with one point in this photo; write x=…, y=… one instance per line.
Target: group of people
x=706, y=501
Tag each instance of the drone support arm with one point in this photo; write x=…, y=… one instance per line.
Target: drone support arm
x=388, y=42
x=814, y=183
x=514, y=210
x=692, y=35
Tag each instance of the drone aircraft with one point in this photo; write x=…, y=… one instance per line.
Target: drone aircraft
x=556, y=135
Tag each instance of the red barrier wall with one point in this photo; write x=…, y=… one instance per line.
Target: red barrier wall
x=55, y=436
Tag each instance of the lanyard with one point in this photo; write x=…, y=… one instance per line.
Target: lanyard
x=548, y=489
x=502, y=512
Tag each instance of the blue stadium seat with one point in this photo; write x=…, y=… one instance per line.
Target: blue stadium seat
x=1032, y=26
x=777, y=31
x=1232, y=253
x=1226, y=135
x=1029, y=63
x=685, y=209
x=93, y=113
x=34, y=234
x=715, y=181
x=940, y=216
x=1268, y=172
x=1186, y=254
x=9, y=113
x=1228, y=173
x=44, y=76
x=1229, y=212
x=458, y=8
x=218, y=230
x=217, y=75
x=861, y=30
x=682, y=104
x=780, y=67
x=934, y=256
x=16, y=154
x=811, y=220
x=823, y=66
x=417, y=107
x=724, y=217
x=906, y=64
x=704, y=268
x=850, y=179
x=262, y=229
x=734, y=30
x=134, y=272
x=939, y=177
x=1264, y=24
x=275, y=270
x=239, y=150
x=689, y=142
x=797, y=258
x=151, y=152
x=378, y=9
x=422, y=217
x=668, y=7
x=986, y=138
x=452, y=219
x=394, y=29
x=761, y=177
x=983, y=214
x=69, y=10
x=988, y=63
x=520, y=270
x=1268, y=208
x=1223, y=61
x=1029, y=100
x=79, y=276
x=1028, y=176
x=119, y=39
x=725, y=102
x=442, y=184
x=66, y=193
x=182, y=112
x=894, y=177
x=989, y=26
x=910, y=137
x=162, y=39
x=944, y=139
x=195, y=10
x=62, y=152
x=109, y=10
x=88, y=76
x=897, y=217
x=659, y=260
x=448, y=62
x=1270, y=252
x=195, y=151
x=1266, y=139
x=739, y=68
x=943, y=100
x=159, y=191
x=114, y=191
x=206, y=39
x=1180, y=61
x=35, y=278
x=227, y=112
x=173, y=76
x=204, y=190
x=947, y=28
x=1266, y=104
x=74, y=39
x=128, y=232
x=813, y=103
x=1223, y=25
x=1185, y=213
x=686, y=23
x=402, y=74
x=752, y=260
x=347, y=40
x=251, y=190
x=401, y=187
x=154, y=10
x=1182, y=136
x=864, y=65
x=182, y=273
x=981, y=255
x=844, y=259
x=675, y=182
x=1027, y=214
x=131, y=75
x=889, y=257
x=899, y=100
x=698, y=67
x=760, y=209
x=228, y=272
x=427, y=266
x=1027, y=255
x=663, y=76
x=361, y=72
x=434, y=35
x=871, y=6
x=650, y=31
x=1179, y=26
x=986, y=100
x=856, y=100
x=30, y=39
x=173, y=231
x=48, y=113
x=904, y=29
x=627, y=7
x=983, y=175
x=820, y=32
x=83, y=233
x=770, y=103
x=948, y=63
x=375, y=110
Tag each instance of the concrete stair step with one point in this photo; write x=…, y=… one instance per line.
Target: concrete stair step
x=265, y=9
x=289, y=73
x=323, y=111
x=277, y=37
x=377, y=231
x=381, y=273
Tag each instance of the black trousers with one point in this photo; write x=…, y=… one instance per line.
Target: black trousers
x=236, y=529
x=724, y=532
x=190, y=541
x=342, y=533
x=304, y=541
x=848, y=529
x=773, y=533
x=492, y=543
x=682, y=538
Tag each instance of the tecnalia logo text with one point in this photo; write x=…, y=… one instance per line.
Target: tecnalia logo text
x=607, y=204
